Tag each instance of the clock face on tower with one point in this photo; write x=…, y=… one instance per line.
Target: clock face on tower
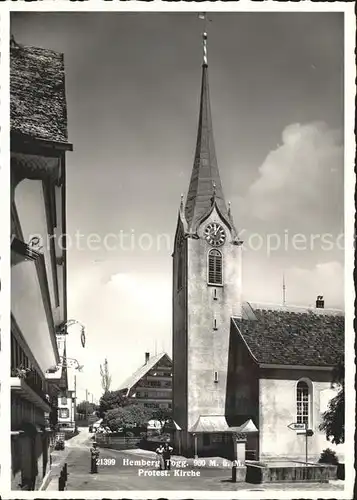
x=215, y=234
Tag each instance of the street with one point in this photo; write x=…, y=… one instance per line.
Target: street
x=115, y=475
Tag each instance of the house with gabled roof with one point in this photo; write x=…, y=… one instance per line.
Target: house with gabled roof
x=151, y=384
x=241, y=368
x=39, y=143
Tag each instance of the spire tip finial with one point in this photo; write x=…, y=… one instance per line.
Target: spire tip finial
x=204, y=37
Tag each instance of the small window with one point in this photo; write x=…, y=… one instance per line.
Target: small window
x=215, y=377
x=63, y=413
x=215, y=268
x=302, y=403
x=63, y=400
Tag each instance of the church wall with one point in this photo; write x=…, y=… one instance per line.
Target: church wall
x=277, y=403
x=243, y=384
x=208, y=348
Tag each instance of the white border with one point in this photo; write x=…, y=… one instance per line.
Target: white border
x=158, y=6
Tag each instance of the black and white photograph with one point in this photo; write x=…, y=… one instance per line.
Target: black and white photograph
x=180, y=315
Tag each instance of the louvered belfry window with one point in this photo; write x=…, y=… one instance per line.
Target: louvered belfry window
x=215, y=268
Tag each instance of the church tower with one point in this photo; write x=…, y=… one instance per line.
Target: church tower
x=206, y=285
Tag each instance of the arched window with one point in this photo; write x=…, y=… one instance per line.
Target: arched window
x=302, y=403
x=215, y=276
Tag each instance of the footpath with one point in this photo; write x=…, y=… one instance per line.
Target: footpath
x=50, y=482
x=59, y=458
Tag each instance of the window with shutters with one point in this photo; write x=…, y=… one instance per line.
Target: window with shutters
x=215, y=276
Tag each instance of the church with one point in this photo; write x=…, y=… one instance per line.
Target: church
x=238, y=367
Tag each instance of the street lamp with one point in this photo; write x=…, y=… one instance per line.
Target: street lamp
x=70, y=322
x=66, y=363
x=70, y=363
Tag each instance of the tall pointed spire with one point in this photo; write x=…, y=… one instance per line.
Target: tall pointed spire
x=205, y=183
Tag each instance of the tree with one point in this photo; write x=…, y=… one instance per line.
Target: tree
x=162, y=414
x=111, y=400
x=106, y=377
x=333, y=420
x=127, y=417
x=86, y=408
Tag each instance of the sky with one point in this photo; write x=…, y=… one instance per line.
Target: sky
x=132, y=86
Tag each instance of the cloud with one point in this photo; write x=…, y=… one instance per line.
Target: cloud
x=325, y=279
x=301, y=181
x=143, y=293
x=125, y=315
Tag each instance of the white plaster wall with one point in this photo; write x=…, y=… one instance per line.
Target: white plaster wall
x=208, y=348
x=278, y=410
x=29, y=313
x=30, y=205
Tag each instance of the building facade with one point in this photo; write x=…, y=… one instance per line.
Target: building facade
x=237, y=365
x=38, y=258
x=66, y=412
x=151, y=384
x=65, y=394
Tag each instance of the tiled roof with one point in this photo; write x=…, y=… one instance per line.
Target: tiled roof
x=292, y=336
x=37, y=93
x=205, y=169
x=143, y=370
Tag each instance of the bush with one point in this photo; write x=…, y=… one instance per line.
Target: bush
x=328, y=457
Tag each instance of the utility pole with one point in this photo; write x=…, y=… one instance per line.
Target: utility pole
x=75, y=400
x=86, y=405
x=306, y=436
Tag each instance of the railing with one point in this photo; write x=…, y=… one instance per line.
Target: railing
x=30, y=376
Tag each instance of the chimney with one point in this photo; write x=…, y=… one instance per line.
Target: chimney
x=320, y=303
x=147, y=356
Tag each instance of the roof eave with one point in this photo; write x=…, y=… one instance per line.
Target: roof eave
x=295, y=367
x=18, y=138
x=245, y=342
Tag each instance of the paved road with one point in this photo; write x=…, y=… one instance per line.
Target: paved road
x=119, y=476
